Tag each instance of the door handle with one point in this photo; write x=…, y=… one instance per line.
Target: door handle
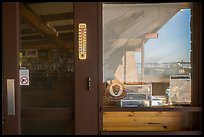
x=89, y=83
x=10, y=97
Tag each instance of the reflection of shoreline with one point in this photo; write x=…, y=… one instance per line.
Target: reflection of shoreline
x=160, y=72
x=164, y=75
x=153, y=72
x=167, y=65
x=160, y=67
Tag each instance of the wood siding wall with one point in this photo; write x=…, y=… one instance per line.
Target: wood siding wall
x=144, y=121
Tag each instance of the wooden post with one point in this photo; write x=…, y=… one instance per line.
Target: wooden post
x=142, y=60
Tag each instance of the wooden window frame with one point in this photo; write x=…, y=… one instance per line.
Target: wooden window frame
x=196, y=119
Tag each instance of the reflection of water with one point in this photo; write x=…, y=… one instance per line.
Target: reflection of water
x=162, y=71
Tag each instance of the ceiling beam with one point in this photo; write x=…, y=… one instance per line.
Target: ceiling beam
x=35, y=21
x=42, y=41
x=29, y=3
x=58, y=28
x=67, y=34
x=28, y=31
x=46, y=46
x=58, y=16
x=64, y=27
x=32, y=37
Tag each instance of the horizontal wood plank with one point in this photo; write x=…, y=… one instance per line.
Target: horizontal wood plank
x=168, y=108
x=143, y=121
x=151, y=133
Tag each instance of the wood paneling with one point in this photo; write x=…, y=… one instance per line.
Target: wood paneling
x=151, y=133
x=143, y=121
x=165, y=108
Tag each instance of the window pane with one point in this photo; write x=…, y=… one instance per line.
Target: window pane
x=47, y=54
x=147, y=45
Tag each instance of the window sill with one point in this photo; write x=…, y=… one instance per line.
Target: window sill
x=167, y=108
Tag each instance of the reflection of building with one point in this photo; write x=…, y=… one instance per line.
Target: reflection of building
x=126, y=30
x=127, y=71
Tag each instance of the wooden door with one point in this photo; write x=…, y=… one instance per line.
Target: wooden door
x=24, y=114
x=86, y=100
x=10, y=37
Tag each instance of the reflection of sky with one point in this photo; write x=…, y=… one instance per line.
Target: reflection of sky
x=173, y=43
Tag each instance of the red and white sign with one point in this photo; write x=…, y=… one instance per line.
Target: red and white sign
x=24, y=76
x=151, y=35
x=24, y=80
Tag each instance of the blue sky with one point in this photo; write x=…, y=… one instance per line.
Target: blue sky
x=173, y=43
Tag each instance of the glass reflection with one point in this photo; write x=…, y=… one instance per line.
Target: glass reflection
x=47, y=51
x=148, y=44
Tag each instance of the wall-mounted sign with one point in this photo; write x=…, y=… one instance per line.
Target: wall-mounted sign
x=115, y=91
x=82, y=41
x=24, y=76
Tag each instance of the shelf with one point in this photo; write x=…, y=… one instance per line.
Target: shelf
x=169, y=108
x=151, y=133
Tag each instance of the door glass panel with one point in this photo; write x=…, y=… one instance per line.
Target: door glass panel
x=47, y=54
x=146, y=63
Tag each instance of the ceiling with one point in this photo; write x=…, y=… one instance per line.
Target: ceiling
x=46, y=25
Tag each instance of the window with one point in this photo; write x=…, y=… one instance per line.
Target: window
x=147, y=53
x=148, y=45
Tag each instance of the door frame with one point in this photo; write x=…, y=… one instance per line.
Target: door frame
x=10, y=25
x=196, y=36
x=10, y=50
x=86, y=101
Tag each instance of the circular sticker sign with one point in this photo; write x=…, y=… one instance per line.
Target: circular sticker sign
x=24, y=80
x=115, y=91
